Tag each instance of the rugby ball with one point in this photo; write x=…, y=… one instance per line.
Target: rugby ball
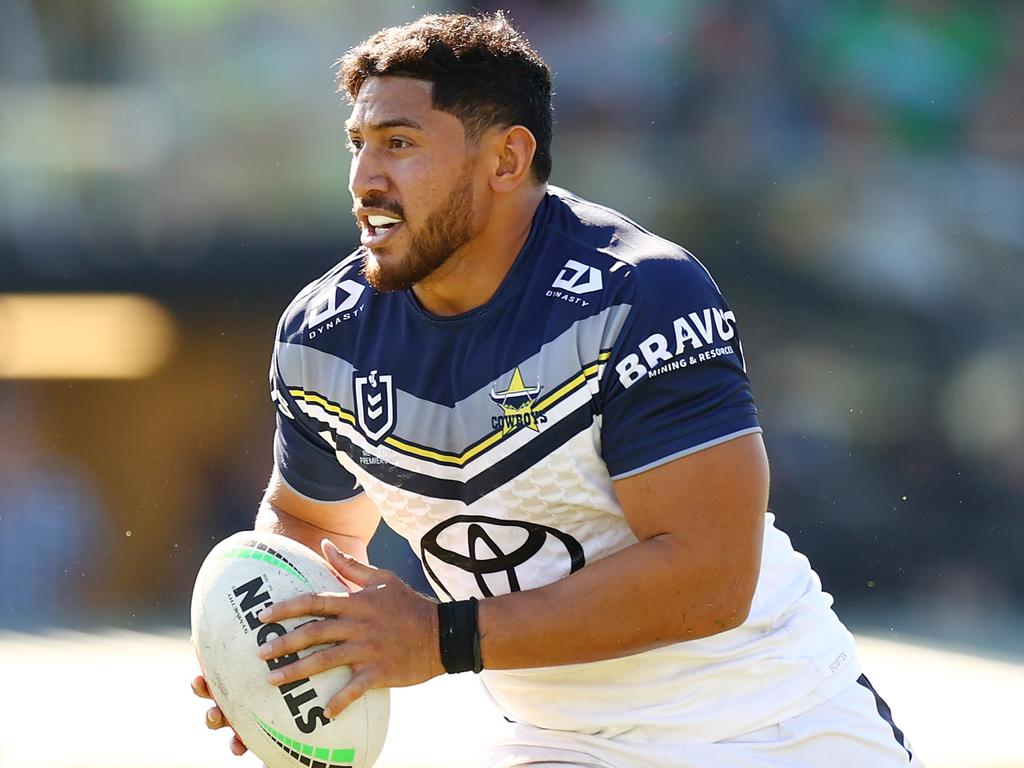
x=283, y=726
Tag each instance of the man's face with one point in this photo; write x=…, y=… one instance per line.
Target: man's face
x=412, y=181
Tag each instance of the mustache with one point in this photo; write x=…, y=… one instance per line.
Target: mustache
x=380, y=203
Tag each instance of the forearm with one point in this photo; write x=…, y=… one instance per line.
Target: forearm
x=653, y=593
x=349, y=524
x=271, y=518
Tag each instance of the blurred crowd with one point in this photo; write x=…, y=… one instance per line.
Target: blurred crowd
x=851, y=172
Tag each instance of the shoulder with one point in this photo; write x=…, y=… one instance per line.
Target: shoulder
x=335, y=296
x=630, y=264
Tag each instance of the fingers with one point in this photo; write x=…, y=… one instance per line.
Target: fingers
x=309, y=604
x=200, y=689
x=236, y=746
x=348, y=567
x=360, y=683
x=282, y=648
x=314, y=663
x=215, y=719
x=378, y=633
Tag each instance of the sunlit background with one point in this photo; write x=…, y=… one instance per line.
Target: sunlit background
x=852, y=172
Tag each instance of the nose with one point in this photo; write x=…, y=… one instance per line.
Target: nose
x=367, y=174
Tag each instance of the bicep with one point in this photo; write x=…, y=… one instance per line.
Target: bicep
x=710, y=504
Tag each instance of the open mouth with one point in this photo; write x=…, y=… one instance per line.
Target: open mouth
x=378, y=229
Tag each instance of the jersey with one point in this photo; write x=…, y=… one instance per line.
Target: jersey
x=490, y=440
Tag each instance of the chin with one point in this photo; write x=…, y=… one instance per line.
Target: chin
x=383, y=260
x=379, y=276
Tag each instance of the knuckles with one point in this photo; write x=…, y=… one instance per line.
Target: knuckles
x=313, y=664
x=334, y=656
x=313, y=633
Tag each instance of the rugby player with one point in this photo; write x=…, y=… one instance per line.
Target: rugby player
x=550, y=403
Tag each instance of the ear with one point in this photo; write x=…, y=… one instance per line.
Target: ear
x=514, y=150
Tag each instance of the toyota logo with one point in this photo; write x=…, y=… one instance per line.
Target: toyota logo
x=495, y=552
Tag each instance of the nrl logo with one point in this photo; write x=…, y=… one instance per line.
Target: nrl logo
x=517, y=402
x=375, y=405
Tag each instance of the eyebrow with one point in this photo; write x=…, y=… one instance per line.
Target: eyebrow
x=397, y=122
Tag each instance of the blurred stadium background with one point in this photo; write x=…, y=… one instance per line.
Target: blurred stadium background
x=173, y=171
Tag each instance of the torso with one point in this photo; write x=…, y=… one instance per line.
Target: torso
x=491, y=440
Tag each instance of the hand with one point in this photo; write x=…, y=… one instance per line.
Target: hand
x=386, y=632
x=214, y=717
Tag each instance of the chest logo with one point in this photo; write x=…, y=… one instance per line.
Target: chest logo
x=340, y=302
x=501, y=555
x=517, y=402
x=375, y=405
x=576, y=277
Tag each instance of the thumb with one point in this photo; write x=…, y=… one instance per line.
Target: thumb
x=348, y=567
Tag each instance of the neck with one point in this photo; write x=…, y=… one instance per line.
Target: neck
x=474, y=272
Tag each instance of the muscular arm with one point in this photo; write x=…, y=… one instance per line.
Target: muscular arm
x=699, y=523
x=349, y=524
x=699, y=520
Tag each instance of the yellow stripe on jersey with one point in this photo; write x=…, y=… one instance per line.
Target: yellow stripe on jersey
x=327, y=405
x=457, y=460
x=573, y=384
x=478, y=448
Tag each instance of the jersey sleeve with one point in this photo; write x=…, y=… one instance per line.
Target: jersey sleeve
x=306, y=461
x=675, y=382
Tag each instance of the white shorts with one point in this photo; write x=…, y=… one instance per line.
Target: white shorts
x=853, y=729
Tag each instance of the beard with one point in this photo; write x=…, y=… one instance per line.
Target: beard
x=446, y=229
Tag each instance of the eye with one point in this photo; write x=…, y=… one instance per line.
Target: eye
x=354, y=144
x=397, y=143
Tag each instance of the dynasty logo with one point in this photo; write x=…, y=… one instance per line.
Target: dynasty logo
x=517, y=402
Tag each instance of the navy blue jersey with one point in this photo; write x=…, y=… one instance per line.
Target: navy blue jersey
x=490, y=440
x=593, y=305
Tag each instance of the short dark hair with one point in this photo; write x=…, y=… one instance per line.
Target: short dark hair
x=484, y=72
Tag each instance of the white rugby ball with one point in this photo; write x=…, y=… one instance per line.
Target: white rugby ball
x=284, y=727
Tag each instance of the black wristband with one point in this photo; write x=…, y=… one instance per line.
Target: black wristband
x=459, y=636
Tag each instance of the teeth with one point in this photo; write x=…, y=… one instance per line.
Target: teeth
x=381, y=221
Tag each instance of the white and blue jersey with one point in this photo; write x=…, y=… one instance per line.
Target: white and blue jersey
x=490, y=441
